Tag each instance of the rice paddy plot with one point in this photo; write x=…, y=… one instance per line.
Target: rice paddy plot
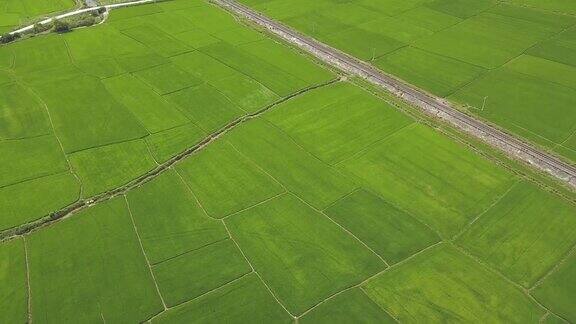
x=558, y=291
x=91, y=267
x=351, y=306
x=106, y=167
x=85, y=115
x=441, y=183
x=299, y=171
x=225, y=182
x=167, y=78
x=438, y=74
x=30, y=158
x=535, y=108
x=151, y=109
x=243, y=301
x=186, y=229
x=30, y=200
x=443, y=285
x=240, y=35
x=247, y=93
x=13, y=291
x=193, y=274
x=157, y=40
x=561, y=48
x=206, y=106
x=300, y=253
x=39, y=53
x=203, y=66
x=167, y=144
x=288, y=60
x=21, y=114
x=461, y=8
x=280, y=82
x=390, y=232
x=337, y=121
x=524, y=235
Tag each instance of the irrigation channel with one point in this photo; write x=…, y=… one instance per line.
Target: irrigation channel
x=430, y=105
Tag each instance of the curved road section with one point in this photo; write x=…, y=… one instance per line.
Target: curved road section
x=430, y=105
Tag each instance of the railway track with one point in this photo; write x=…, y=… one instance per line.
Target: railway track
x=429, y=104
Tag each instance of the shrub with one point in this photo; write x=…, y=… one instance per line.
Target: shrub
x=7, y=38
x=61, y=26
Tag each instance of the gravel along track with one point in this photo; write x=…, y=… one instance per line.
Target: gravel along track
x=429, y=104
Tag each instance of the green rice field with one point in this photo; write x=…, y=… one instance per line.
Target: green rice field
x=229, y=178
x=510, y=62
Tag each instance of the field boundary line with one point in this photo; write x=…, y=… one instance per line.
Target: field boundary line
x=144, y=252
x=364, y=281
x=485, y=211
x=189, y=251
x=28, y=286
x=513, y=146
x=554, y=268
x=149, y=320
x=343, y=228
x=256, y=205
x=378, y=305
x=191, y=191
x=256, y=272
x=489, y=268
x=84, y=203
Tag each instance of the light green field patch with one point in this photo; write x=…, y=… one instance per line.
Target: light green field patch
x=39, y=53
x=85, y=115
x=244, y=301
x=49, y=193
x=134, y=63
x=13, y=291
x=200, y=271
x=398, y=29
x=363, y=44
x=101, y=41
x=545, y=69
x=174, y=22
x=210, y=18
x=438, y=181
x=203, y=66
x=225, y=182
x=245, y=92
x=437, y=74
x=338, y=121
x=134, y=11
x=155, y=113
x=280, y=82
x=352, y=306
x=156, y=39
x=487, y=40
x=30, y=158
x=534, y=108
x=166, y=144
x=169, y=220
x=525, y=234
x=206, y=107
x=558, y=291
x=316, y=25
x=288, y=61
x=98, y=251
x=300, y=253
x=239, y=35
x=21, y=115
x=461, y=8
x=534, y=15
x=392, y=7
x=444, y=285
x=104, y=168
x=101, y=67
x=350, y=13
x=300, y=172
x=197, y=38
x=390, y=232
x=428, y=18
x=167, y=78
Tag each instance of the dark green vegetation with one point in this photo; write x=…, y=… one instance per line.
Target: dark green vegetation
x=330, y=206
x=510, y=62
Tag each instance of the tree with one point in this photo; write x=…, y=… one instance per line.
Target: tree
x=7, y=38
x=61, y=26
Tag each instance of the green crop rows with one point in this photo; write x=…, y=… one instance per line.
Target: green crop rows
x=318, y=203
x=510, y=62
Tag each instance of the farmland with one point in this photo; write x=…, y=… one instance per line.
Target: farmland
x=224, y=176
x=509, y=62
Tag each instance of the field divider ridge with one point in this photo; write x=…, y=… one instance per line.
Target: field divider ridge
x=84, y=203
x=428, y=104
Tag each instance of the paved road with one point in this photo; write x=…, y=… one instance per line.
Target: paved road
x=430, y=105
